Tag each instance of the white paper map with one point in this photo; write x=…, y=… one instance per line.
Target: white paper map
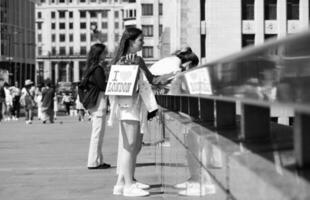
x=198, y=81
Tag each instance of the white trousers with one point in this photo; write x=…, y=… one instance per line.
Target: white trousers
x=98, y=114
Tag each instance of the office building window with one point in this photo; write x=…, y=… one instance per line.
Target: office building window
x=82, y=1
x=93, y=1
x=42, y=1
x=83, y=51
x=104, y=37
x=147, y=9
x=147, y=52
x=147, y=30
x=83, y=37
x=203, y=45
x=62, y=37
x=62, y=26
x=39, y=51
x=93, y=37
x=54, y=51
x=116, y=25
x=247, y=9
x=82, y=25
x=39, y=37
x=270, y=9
x=104, y=25
x=71, y=37
x=62, y=50
x=39, y=14
x=71, y=14
x=93, y=25
x=202, y=10
x=116, y=14
x=270, y=36
x=53, y=1
x=71, y=52
x=53, y=38
x=104, y=14
x=53, y=26
x=70, y=25
x=39, y=25
x=248, y=39
x=103, y=1
x=62, y=1
x=116, y=37
x=62, y=14
x=93, y=14
x=82, y=14
x=292, y=9
x=53, y=15
x=160, y=9
x=160, y=29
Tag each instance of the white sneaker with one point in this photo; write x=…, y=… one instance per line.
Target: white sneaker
x=142, y=185
x=196, y=189
x=118, y=189
x=182, y=185
x=134, y=191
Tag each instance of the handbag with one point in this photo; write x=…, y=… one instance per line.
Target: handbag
x=88, y=92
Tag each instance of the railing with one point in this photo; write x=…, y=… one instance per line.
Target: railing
x=240, y=124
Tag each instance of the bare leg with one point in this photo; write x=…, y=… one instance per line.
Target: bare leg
x=130, y=130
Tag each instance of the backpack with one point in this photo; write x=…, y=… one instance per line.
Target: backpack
x=87, y=91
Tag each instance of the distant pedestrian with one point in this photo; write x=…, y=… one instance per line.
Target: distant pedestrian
x=2, y=98
x=48, y=94
x=8, y=102
x=27, y=100
x=66, y=101
x=38, y=98
x=79, y=108
x=16, y=93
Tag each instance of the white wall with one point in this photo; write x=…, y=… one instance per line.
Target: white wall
x=223, y=29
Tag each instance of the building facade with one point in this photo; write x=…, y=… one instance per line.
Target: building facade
x=65, y=31
x=217, y=28
x=17, y=38
x=148, y=16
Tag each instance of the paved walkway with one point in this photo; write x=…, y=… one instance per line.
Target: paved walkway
x=48, y=162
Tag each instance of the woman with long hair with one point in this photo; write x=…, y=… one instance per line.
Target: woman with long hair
x=95, y=66
x=129, y=113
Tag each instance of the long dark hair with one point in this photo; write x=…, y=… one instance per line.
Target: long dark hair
x=186, y=55
x=129, y=34
x=93, y=56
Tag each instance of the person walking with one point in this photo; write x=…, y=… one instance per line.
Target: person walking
x=128, y=110
x=16, y=93
x=2, y=98
x=66, y=100
x=27, y=98
x=79, y=108
x=95, y=72
x=8, y=102
x=47, y=109
x=39, y=101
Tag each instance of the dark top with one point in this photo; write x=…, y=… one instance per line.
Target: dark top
x=98, y=78
x=2, y=95
x=48, y=98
